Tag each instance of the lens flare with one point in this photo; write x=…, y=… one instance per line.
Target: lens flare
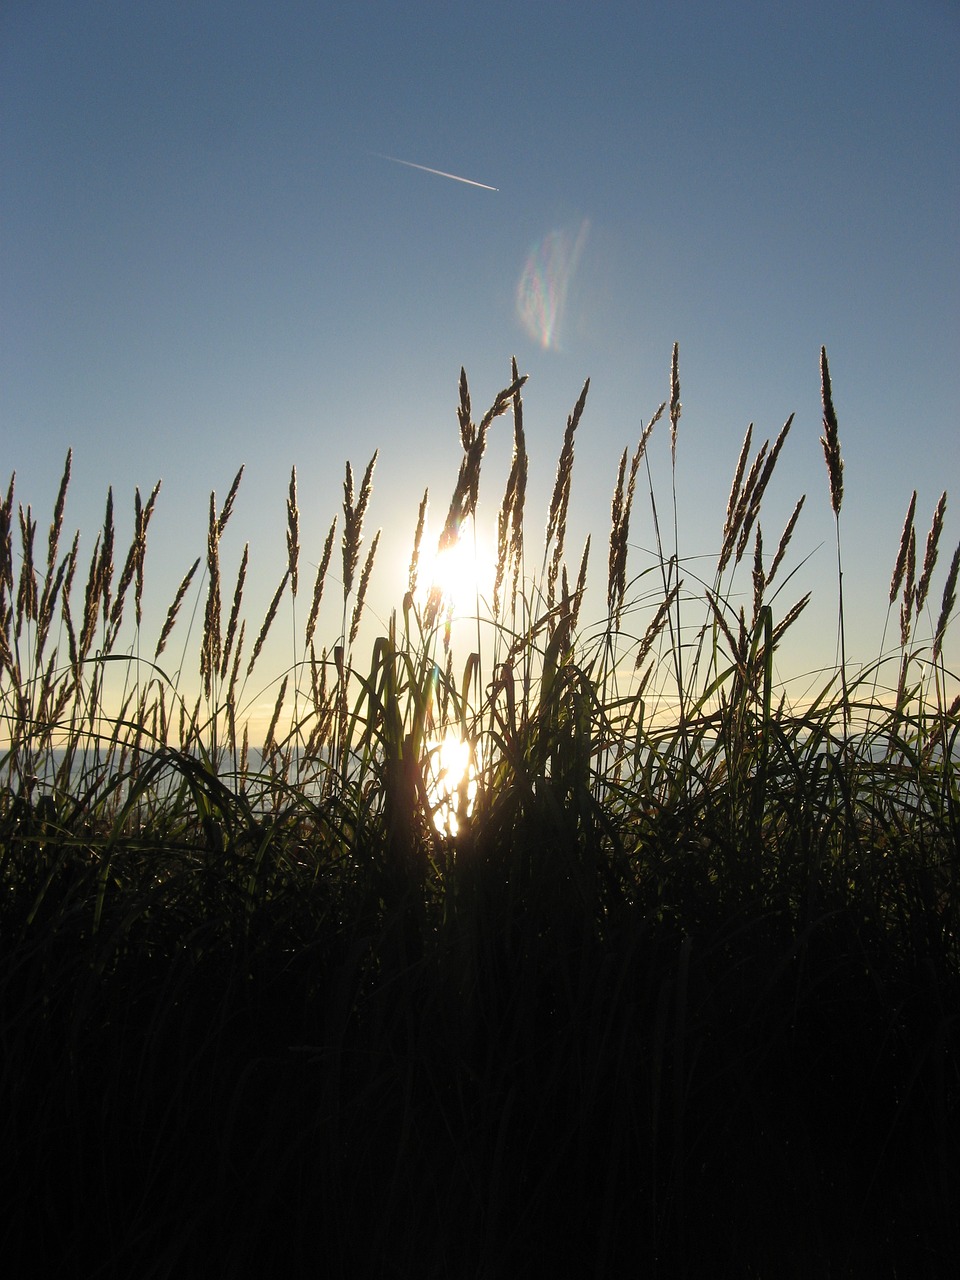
x=545, y=282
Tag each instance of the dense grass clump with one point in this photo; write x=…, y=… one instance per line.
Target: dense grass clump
x=660, y=979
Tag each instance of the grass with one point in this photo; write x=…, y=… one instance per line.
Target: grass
x=666, y=983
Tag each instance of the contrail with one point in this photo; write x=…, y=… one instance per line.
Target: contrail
x=439, y=172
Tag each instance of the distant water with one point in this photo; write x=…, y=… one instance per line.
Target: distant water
x=91, y=769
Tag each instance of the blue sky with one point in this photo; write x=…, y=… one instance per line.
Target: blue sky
x=205, y=261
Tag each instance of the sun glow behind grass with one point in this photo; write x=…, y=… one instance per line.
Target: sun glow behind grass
x=461, y=572
x=451, y=781
x=449, y=620
x=458, y=579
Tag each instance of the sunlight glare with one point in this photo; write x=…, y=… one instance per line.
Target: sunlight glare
x=462, y=573
x=451, y=767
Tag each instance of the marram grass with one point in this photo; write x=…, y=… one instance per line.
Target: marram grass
x=662, y=977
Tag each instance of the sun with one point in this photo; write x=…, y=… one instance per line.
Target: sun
x=462, y=573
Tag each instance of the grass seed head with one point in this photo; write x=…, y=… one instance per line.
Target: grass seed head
x=142, y=524
x=228, y=505
x=56, y=525
x=27, y=595
x=417, y=539
x=106, y=555
x=789, y=618
x=930, y=553
x=6, y=540
x=617, y=556
x=734, y=498
x=234, y=611
x=659, y=621
x=831, y=437
x=759, y=579
x=362, y=588
x=123, y=583
x=269, y=743
x=175, y=608
x=785, y=539
x=560, y=499
x=756, y=490
x=319, y=581
x=293, y=533
x=210, y=648
x=907, y=602
x=901, y=563
x=463, y=412
x=675, y=405
x=353, y=513
x=91, y=604
x=947, y=604
x=749, y=506
x=268, y=620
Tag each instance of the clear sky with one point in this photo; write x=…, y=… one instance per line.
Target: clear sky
x=207, y=260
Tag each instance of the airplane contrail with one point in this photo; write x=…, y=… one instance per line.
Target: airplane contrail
x=439, y=172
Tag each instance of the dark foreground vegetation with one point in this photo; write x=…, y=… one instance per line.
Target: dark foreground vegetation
x=667, y=985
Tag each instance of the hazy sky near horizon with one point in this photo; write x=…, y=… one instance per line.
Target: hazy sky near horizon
x=209, y=256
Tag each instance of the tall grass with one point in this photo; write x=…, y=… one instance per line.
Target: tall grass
x=666, y=979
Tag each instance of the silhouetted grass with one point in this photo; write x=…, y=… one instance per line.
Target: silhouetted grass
x=666, y=985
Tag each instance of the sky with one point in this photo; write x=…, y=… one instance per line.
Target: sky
x=209, y=256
